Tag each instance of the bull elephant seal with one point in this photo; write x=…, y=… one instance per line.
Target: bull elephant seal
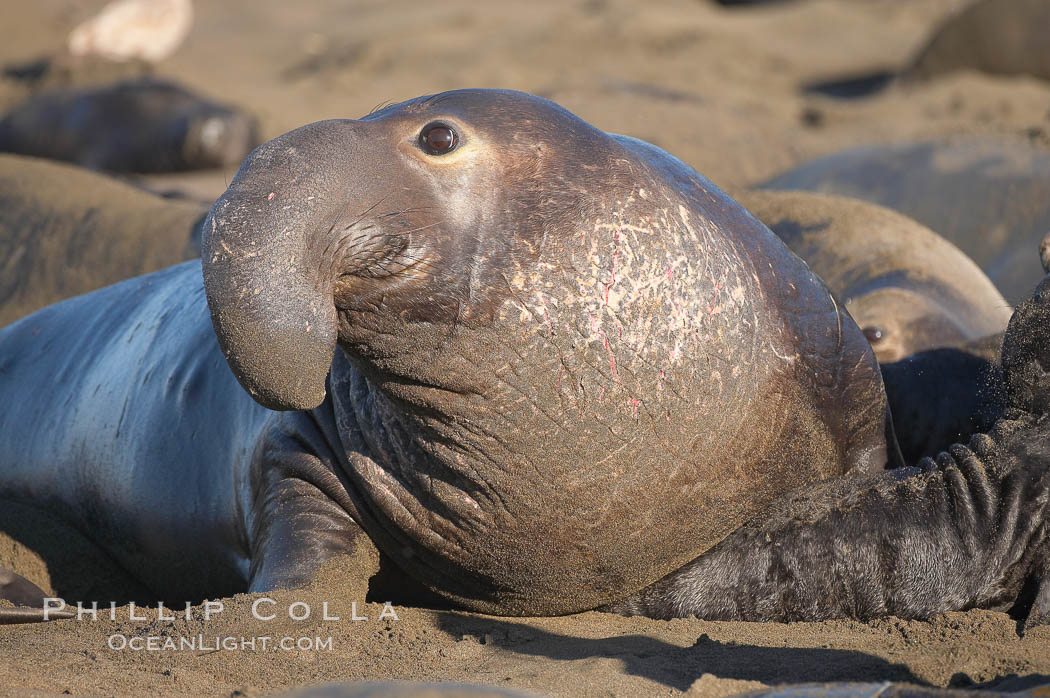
x=480, y=314
x=985, y=195
x=144, y=125
x=66, y=231
x=908, y=288
x=1000, y=37
x=527, y=316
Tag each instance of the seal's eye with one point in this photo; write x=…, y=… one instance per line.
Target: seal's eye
x=438, y=138
x=874, y=334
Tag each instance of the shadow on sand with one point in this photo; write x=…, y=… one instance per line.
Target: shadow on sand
x=678, y=667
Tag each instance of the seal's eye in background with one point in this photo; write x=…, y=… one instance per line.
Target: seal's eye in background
x=438, y=138
x=874, y=334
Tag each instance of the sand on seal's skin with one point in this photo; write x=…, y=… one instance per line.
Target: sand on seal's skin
x=718, y=88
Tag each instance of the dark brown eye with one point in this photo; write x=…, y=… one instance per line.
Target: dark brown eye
x=438, y=138
x=874, y=334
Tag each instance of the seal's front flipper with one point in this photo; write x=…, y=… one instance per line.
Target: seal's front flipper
x=300, y=531
x=28, y=600
x=300, y=517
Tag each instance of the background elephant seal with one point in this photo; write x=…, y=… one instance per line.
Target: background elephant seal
x=933, y=318
x=995, y=37
x=144, y=125
x=518, y=316
x=148, y=30
x=985, y=195
x=908, y=288
x=66, y=231
x=1001, y=37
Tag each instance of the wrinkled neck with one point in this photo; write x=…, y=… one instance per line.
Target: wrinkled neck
x=617, y=378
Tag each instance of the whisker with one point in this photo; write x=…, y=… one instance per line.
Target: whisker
x=415, y=230
x=379, y=107
x=366, y=212
x=442, y=96
x=391, y=214
x=335, y=219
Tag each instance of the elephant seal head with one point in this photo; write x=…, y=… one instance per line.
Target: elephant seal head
x=424, y=212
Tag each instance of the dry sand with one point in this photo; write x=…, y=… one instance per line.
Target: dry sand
x=722, y=89
x=589, y=654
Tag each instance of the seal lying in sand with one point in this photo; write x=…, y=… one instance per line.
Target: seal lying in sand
x=1001, y=37
x=26, y=599
x=143, y=125
x=908, y=288
x=519, y=317
x=997, y=37
x=66, y=231
x=149, y=30
x=19, y=590
x=987, y=196
x=916, y=297
x=531, y=317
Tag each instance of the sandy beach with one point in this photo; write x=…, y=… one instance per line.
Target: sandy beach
x=729, y=91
